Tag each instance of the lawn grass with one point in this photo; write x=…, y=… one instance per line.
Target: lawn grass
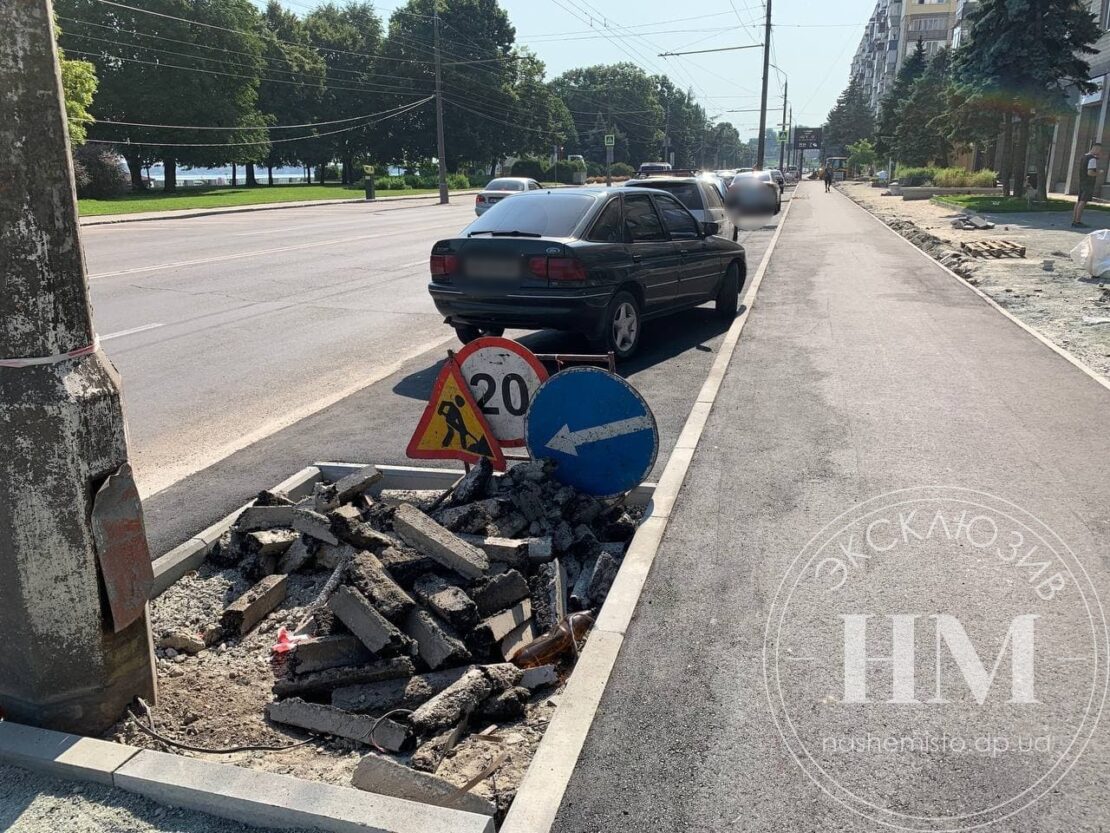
x=225, y=195
x=981, y=204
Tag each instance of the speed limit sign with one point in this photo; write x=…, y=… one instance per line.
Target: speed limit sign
x=503, y=376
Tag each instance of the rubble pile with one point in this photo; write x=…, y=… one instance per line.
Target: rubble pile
x=442, y=613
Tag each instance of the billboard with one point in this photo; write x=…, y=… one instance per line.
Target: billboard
x=807, y=138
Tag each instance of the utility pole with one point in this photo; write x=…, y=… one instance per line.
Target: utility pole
x=760, y=148
x=782, y=144
x=72, y=658
x=441, y=144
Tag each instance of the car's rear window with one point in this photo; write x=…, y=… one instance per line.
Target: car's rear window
x=687, y=192
x=544, y=213
x=505, y=185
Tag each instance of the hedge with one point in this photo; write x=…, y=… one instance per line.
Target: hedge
x=531, y=168
x=946, y=178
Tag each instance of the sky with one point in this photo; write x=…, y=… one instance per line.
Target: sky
x=812, y=45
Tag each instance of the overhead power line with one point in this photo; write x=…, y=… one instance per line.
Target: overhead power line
x=701, y=51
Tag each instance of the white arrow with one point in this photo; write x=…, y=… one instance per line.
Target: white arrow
x=567, y=441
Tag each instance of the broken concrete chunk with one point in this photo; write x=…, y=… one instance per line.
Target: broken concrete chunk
x=421, y=532
x=183, y=642
x=509, y=525
x=329, y=652
x=329, y=720
x=537, y=677
x=371, y=579
x=583, y=510
x=449, y=602
x=356, y=483
x=528, y=498
x=422, y=499
x=517, y=638
x=269, y=542
x=473, y=484
x=314, y=525
x=505, y=705
x=322, y=682
x=511, y=551
x=455, y=517
x=328, y=556
x=295, y=557
x=253, y=606
x=549, y=595
x=345, y=514
x=323, y=497
x=580, y=594
x=503, y=675
x=434, y=639
x=533, y=471
x=375, y=631
x=268, y=497
x=540, y=550
x=620, y=528
x=428, y=755
x=562, y=539
x=447, y=707
x=254, y=518
x=395, y=694
x=586, y=545
x=499, y=592
x=364, y=536
x=405, y=564
x=379, y=774
x=502, y=624
x=605, y=571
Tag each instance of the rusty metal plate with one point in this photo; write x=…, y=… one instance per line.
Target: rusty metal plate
x=121, y=547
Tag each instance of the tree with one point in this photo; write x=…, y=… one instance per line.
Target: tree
x=894, y=102
x=862, y=154
x=1019, y=61
x=685, y=125
x=724, y=148
x=78, y=88
x=849, y=120
x=921, y=137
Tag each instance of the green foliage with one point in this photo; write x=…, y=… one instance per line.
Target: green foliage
x=921, y=137
x=79, y=86
x=915, y=176
x=457, y=182
x=531, y=168
x=894, y=102
x=101, y=176
x=563, y=172
x=850, y=119
x=392, y=183
x=621, y=169
x=963, y=178
x=862, y=154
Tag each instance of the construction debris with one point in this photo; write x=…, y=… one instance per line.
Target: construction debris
x=252, y=607
x=379, y=774
x=418, y=530
x=329, y=720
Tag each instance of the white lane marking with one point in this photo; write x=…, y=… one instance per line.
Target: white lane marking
x=568, y=441
x=166, y=476
x=132, y=331
x=239, y=255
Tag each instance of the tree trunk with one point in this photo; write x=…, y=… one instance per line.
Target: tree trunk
x=269, y=174
x=1021, y=155
x=308, y=174
x=251, y=180
x=1040, y=155
x=234, y=174
x=1006, y=153
x=169, y=174
x=322, y=174
x=135, y=168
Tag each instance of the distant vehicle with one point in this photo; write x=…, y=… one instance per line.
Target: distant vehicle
x=701, y=196
x=498, y=189
x=576, y=157
x=839, y=166
x=779, y=179
x=597, y=261
x=754, y=192
x=655, y=168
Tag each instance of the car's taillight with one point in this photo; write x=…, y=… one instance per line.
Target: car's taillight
x=443, y=265
x=478, y=198
x=563, y=269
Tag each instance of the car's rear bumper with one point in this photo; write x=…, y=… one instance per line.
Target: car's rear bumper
x=579, y=311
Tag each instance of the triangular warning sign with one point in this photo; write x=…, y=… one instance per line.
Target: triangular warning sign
x=452, y=427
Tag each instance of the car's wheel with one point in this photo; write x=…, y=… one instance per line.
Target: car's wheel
x=467, y=333
x=728, y=296
x=622, y=326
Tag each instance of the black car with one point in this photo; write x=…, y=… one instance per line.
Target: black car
x=596, y=261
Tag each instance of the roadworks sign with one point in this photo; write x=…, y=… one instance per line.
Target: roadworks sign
x=452, y=427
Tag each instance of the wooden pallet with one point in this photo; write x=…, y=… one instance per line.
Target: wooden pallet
x=993, y=248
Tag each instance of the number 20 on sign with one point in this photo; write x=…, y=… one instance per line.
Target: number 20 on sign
x=503, y=376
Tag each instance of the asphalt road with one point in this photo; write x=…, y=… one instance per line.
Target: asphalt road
x=865, y=370
x=253, y=344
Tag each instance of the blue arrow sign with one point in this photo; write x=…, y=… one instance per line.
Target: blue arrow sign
x=598, y=429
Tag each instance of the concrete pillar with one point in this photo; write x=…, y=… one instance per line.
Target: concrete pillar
x=62, y=662
x=1068, y=181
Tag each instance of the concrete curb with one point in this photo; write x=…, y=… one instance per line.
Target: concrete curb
x=253, y=797
x=185, y=214
x=1055, y=348
x=541, y=792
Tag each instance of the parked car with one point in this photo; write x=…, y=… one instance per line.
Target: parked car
x=779, y=179
x=649, y=168
x=754, y=192
x=498, y=189
x=701, y=196
x=596, y=261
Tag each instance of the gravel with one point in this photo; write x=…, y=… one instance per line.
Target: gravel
x=33, y=803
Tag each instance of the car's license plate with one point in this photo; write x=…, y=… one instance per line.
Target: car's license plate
x=492, y=267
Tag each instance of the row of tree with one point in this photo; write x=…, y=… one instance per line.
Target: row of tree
x=214, y=82
x=997, y=96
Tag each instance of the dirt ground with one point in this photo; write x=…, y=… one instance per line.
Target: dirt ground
x=217, y=698
x=1066, y=305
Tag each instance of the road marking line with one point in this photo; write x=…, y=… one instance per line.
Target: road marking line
x=540, y=794
x=152, y=484
x=132, y=331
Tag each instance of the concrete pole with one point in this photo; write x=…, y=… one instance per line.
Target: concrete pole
x=441, y=145
x=761, y=149
x=62, y=665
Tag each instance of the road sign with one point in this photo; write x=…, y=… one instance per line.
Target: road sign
x=598, y=429
x=783, y=136
x=610, y=140
x=503, y=376
x=452, y=426
x=807, y=138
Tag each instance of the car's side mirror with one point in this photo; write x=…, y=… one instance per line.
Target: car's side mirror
x=709, y=228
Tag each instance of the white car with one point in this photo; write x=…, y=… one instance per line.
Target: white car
x=754, y=192
x=502, y=188
x=700, y=197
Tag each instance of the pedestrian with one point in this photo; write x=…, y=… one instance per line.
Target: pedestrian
x=1088, y=175
x=828, y=179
